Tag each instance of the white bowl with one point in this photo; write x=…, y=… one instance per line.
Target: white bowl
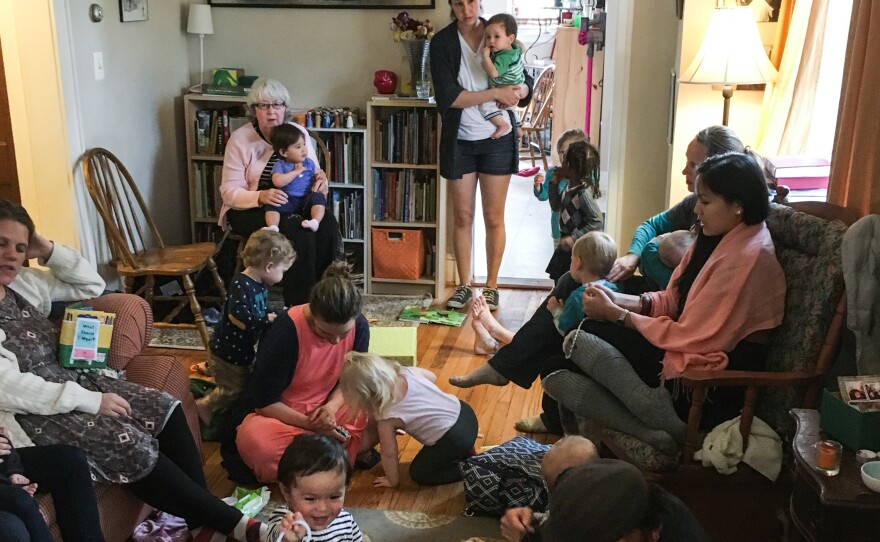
x=871, y=475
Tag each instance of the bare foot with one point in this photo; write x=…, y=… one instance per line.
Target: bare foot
x=501, y=128
x=483, y=316
x=483, y=342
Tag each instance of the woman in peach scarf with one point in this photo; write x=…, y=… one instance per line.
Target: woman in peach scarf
x=723, y=299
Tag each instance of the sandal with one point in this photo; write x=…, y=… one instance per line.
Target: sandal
x=201, y=369
x=532, y=424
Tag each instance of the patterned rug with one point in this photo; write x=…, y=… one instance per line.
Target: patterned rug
x=380, y=310
x=396, y=526
x=181, y=338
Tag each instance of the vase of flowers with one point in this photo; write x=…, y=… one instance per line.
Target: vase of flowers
x=415, y=36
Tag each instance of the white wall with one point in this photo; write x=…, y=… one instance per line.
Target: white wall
x=323, y=56
x=136, y=111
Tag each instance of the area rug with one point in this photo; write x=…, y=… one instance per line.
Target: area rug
x=181, y=338
x=396, y=526
x=380, y=310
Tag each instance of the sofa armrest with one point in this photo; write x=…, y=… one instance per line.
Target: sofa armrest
x=165, y=373
x=132, y=327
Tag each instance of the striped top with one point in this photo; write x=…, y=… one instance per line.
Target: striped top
x=341, y=529
x=509, y=64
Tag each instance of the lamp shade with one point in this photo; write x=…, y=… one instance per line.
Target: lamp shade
x=200, y=21
x=731, y=52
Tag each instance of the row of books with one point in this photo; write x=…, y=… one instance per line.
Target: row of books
x=404, y=196
x=207, y=187
x=346, y=207
x=213, y=127
x=407, y=136
x=347, y=154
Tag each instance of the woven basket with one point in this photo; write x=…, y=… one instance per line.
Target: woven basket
x=398, y=253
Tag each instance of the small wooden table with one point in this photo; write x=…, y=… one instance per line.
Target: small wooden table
x=829, y=507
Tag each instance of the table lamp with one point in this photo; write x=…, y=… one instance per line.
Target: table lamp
x=731, y=54
x=200, y=23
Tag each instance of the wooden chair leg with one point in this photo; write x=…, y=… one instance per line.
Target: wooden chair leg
x=531, y=148
x=196, y=310
x=698, y=397
x=541, y=149
x=218, y=282
x=127, y=284
x=148, y=289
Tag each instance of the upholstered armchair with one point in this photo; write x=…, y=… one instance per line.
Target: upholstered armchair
x=121, y=511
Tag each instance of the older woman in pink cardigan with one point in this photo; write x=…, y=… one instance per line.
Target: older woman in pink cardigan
x=247, y=186
x=723, y=299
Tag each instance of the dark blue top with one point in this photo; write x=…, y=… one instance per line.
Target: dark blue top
x=243, y=323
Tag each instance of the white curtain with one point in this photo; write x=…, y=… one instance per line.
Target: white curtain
x=800, y=109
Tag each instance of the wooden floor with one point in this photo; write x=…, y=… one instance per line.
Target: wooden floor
x=446, y=351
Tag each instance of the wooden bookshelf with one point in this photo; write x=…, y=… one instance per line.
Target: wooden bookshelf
x=348, y=186
x=405, y=189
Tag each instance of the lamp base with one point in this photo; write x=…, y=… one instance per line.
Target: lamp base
x=727, y=94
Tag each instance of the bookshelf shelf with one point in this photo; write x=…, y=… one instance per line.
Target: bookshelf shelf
x=405, y=190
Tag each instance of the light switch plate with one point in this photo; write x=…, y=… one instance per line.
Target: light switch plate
x=99, y=65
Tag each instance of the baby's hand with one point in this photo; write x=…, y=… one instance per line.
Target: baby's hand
x=539, y=180
x=24, y=482
x=271, y=317
x=292, y=527
x=553, y=304
x=382, y=481
x=487, y=52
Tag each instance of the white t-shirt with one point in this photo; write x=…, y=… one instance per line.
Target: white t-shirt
x=472, y=76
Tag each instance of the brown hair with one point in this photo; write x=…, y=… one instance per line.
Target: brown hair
x=335, y=299
x=267, y=246
x=506, y=21
x=13, y=211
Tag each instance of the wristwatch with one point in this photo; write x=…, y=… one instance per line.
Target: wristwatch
x=621, y=320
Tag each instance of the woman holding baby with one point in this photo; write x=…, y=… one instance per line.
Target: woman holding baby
x=468, y=154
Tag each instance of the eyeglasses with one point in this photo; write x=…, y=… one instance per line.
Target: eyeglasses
x=274, y=105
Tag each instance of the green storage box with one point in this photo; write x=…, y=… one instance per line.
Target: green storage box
x=854, y=429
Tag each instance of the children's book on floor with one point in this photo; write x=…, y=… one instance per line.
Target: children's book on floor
x=415, y=313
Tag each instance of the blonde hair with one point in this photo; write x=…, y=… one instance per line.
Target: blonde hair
x=569, y=451
x=368, y=382
x=597, y=250
x=267, y=246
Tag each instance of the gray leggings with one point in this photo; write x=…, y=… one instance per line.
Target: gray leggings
x=438, y=464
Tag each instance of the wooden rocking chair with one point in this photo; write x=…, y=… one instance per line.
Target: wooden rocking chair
x=535, y=117
x=135, y=243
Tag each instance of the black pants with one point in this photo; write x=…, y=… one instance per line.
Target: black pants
x=315, y=251
x=537, y=340
x=723, y=403
x=63, y=472
x=177, y=485
x=438, y=464
x=13, y=529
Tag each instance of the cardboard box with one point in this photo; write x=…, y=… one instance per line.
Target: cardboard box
x=854, y=429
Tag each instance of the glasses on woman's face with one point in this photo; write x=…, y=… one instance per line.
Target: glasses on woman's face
x=264, y=106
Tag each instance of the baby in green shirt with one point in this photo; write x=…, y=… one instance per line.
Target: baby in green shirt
x=503, y=62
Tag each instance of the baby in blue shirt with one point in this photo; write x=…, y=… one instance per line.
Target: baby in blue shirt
x=293, y=173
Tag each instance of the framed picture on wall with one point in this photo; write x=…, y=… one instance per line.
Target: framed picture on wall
x=342, y=4
x=133, y=10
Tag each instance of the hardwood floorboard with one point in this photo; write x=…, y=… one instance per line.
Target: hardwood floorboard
x=446, y=351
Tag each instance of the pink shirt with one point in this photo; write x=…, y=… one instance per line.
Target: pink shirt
x=426, y=412
x=243, y=162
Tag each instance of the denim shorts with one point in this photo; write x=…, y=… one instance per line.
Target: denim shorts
x=490, y=156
